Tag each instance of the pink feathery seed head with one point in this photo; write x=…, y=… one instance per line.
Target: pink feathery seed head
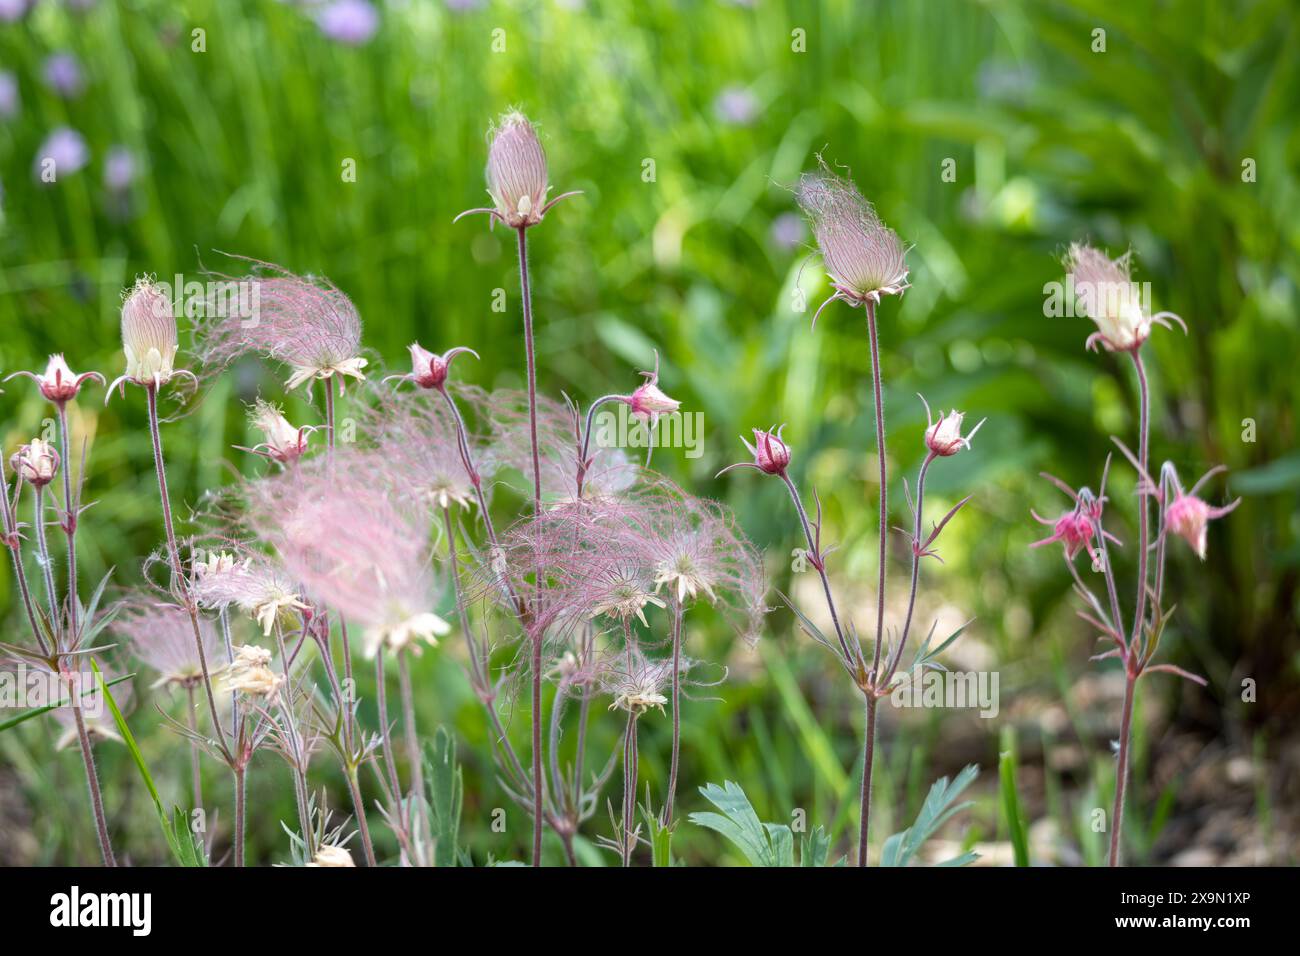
x=353, y=547
x=59, y=384
x=304, y=322
x=149, y=336
x=865, y=258
x=648, y=401
x=516, y=171
x=697, y=553
x=610, y=473
x=943, y=437
x=162, y=636
x=429, y=370
x=231, y=573
x=36, y=462
x=417, y=454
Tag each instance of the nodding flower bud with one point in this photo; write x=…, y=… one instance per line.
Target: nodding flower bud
x=1188, y=516
x=250, y=673
x=332, y=856
x=36, y=462
x=771, y=454
x=429, y=370
x=944, y=437
x=649, y=401
x=149, y=336
x=284, y=443
x=516, y=172
x=59, y=384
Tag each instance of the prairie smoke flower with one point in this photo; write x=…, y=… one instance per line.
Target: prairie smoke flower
x=65, y=149
x=284, y=443
x=771, y=454
x=865, y=258
x=162, y=636
x=302, y=321
x=353, y=548
x=149, y=338
x=250, y=673
x=427, y=369
x=59, y=384
x=648, y=402
x=944, y=437
x=736, y=106
x=517, y=178
x=1109, y=296
x=352, y=22
x=36, y=462
x=332, y=856
x=1073, y=529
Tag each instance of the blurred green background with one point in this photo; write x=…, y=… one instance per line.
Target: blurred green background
x=685, y=123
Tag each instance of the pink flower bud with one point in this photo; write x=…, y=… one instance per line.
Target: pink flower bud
x=149, y=336
x=36, y=462
x=649, y=401
x=944, y=437
x=429, y=370
x=516, y=172
x=284, y=443
x=771, y=454
x=59, y=384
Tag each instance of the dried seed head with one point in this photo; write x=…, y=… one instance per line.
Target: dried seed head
x=864, y=257
x=149, y=336
x=332, y=856
x=516, y=171
x=162, y=636
x=250, y=673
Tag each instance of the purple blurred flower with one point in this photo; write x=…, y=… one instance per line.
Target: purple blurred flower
x=63, y=75
x=11, y=10
x=787, y=230
x=462, y=6
x=352, y=22
x=9, y=101
x=736, y=105
x=119, y=169
x=66, y=149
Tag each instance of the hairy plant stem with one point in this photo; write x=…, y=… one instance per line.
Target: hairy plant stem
x=178, y=572
x=677, y=614
x=296, y=755
x=347, y=757
x=7, y=507
x=1121, y=773
x=869, y=742
x=413, y=751
x=868, y=758
x=538, y=781
x=354, y=788
x=586, y=437
x=530, y=353
x=897, y=654
x=385, y=732
x=630, y=758
x=850, y=660
x=240, y=812
x=92, y=780
x=46, y=563
x=69, y=522
x=1133, y=655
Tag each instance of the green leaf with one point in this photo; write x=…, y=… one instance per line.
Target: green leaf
x=738, y=822
x=1010, y=799
x=937, y=809
x=446, y=796
x=185, y=845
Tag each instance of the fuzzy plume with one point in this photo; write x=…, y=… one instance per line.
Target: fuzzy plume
x=353, y=547
x=162, y=636
x=304, y=322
